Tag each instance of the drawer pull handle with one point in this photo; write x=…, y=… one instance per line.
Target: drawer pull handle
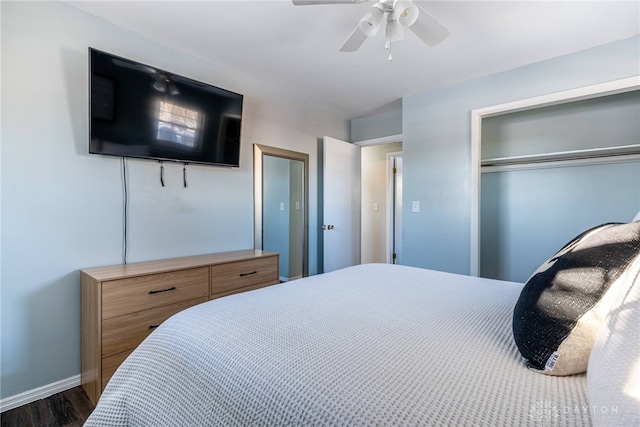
x=153, y=326
x=163, y=290
x=248, y=274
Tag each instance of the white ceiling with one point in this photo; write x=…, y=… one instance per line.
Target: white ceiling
x=295, y=48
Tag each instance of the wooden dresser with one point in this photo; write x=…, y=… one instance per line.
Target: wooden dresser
x=122, y=304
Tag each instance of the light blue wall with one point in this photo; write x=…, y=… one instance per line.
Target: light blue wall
x=528, y=215
x=62, y=208
x=437, y=144
x=606, y=121
x=377, y=126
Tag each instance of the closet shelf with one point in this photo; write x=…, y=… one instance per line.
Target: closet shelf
x=621, y=150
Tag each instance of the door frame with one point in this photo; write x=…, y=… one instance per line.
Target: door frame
x=390, y=204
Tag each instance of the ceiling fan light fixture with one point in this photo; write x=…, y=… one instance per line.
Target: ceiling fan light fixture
x=371, y=22
x=406, y=13
x=394, y=31
x=399, y=14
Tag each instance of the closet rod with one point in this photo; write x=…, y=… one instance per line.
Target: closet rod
x=604, y=160
x=619, y=150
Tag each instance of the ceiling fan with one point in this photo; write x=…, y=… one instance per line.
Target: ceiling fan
x=400, y=14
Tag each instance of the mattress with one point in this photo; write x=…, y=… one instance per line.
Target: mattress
x=373, y=344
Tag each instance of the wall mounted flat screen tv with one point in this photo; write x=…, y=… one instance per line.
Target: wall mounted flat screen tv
x=141, y=111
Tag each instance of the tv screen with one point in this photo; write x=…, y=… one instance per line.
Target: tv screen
x=141, y=111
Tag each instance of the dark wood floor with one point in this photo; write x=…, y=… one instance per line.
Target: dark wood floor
x=69, y=408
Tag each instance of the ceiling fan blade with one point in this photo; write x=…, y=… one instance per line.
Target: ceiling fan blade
x=428, y=29
x=310, y=2
x=354, y=41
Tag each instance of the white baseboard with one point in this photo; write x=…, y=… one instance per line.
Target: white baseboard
x=43, y=392
x=288, y=279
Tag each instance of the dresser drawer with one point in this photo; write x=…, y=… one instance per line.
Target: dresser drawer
x=233, y=276
x=135, y=294
x=110, y=365
x=124, y=333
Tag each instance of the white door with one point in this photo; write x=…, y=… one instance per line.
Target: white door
x=341, y=204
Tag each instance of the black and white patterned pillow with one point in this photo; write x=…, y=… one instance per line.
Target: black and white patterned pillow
x=563, y=305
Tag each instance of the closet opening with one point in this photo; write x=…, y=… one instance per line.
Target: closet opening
x=542, y=168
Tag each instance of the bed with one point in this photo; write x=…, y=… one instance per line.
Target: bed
x=372, y=344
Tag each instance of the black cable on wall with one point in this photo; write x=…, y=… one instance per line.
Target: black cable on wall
x=125, y=202
x=184, y=174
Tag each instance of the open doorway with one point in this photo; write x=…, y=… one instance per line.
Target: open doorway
x=381, y=203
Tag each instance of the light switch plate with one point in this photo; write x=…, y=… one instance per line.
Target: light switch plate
x=415, y=206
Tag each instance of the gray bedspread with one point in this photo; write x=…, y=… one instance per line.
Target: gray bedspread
x=368, y=345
